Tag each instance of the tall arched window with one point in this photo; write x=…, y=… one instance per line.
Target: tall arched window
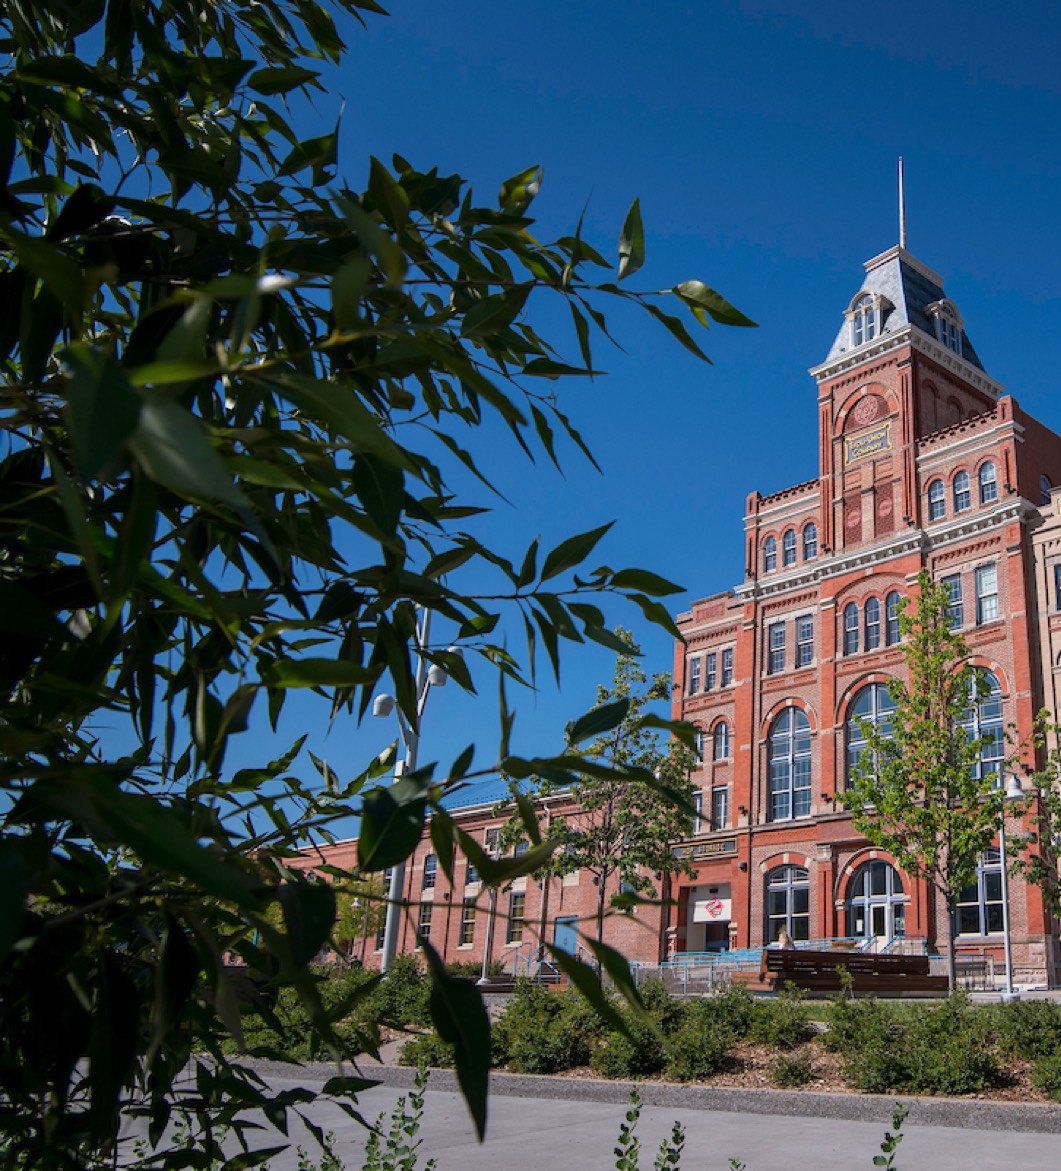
x=851, y=629
x=810, y=541
x=876, y=902
x=872, y=612
x=787, y=903
x=983, y=718
x=963, y=498
x=891, y=628
x=875, y=705
x=769, y=554
x=720, y=741
x=988, y=483
x=937, y=500
x=788, y=749
x=788, y=547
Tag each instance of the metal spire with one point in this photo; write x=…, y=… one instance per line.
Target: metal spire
x=902, y=207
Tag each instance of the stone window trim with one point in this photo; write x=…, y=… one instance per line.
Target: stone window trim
x=865, y=317
x=987, y=482
x=979, y=906
x=789, y=548
x=770, y=554
x=962, y=491
x=789, y=765
x=810, y=541
x=937, y=500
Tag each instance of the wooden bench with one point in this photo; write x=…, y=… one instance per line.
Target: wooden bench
x=821, y=971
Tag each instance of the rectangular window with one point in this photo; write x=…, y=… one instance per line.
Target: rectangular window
x=430, y=871
x=698, y=805
x=776, y=637
x=468, y=922
x=694, y=675
x=719, y=807
x=986, y=594
x=804, y=641
x=711, y=676
x=955, y=612
x=471, y=875
x=423, y=926
x=492, y=840
x=382, y=929
x=1057, y=586
x=727, y=668
x=516, y=903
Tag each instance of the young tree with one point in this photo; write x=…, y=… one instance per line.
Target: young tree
x=625, y=828
x=235, y=393
x=922, y=791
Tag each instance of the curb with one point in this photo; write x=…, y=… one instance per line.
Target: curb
x=963, y=1113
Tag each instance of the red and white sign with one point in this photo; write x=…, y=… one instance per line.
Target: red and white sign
x=712, y=910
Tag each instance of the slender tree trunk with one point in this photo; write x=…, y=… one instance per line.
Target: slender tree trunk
x=952, y=967
x=600, y=904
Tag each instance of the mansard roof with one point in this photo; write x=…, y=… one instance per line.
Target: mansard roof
x=908, y=290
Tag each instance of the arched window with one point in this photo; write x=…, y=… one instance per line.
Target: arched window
x=720, y=741
x=983, y=719
x=851, y=629
x=937, y=500
x=787, y=903
x=788, y=750
x=979, y=909
x=769, y=554
x=701, y=743
x=788, y=547
x=963, y=498
x=1046, y=486
x=872, y=612
x=875, y=904
x=875, y=705
x=865, y=320
x=891, y=608
x=810, y=541
x=988, y=483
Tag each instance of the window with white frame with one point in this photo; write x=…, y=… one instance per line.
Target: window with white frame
x=769, y=554
x=727, y=667
x=517, y=903
x=423, y=924
x=983, y=722
x=719, y=807
x=787, y=903
x=948, y=325
x=810, y=541
x=955, y=610
x=720, y=741
x=937, y=500
x=711, y=673
x=788, y=547
x=804, y=640
x=467, y=936
x=430, y=872
x=694, y=675
x=872, y=613
x=851, y=629
x=963, y=497
x=986, y=594
x=865, y=319
x=698, y=818
x=988, y=481
x=979, y=907
x=872, y=706
x=776, y=640
x=891, y=618
x=701, y=743
x=789, y=765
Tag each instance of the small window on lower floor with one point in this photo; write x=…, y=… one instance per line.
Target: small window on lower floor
x=423, y=926
x=516, y=904
x=979, y=909
x=468, y=922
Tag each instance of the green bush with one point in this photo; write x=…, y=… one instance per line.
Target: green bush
x=1046, y=1074
x=700, y=1046
x=402, y=997
x=617, y=1057
x=792, y=1069
x=781, y=1023
x=543, y=1031
x=1029, y=1029
x=427, y=1051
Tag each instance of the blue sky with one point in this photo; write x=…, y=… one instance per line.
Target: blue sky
x=761, y=137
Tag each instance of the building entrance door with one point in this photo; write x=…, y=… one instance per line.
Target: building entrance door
x=565, y=935
x=876, y=906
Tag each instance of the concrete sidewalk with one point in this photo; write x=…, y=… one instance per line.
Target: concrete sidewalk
x=571, y=1131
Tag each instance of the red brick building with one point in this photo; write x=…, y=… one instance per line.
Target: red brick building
x=923, y=462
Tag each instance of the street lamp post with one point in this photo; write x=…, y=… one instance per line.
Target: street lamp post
x=427, y=676
x=1013, y=792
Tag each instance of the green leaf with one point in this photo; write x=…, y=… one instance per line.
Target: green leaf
x=681, y=730
x=618, y=970
x=281, y=79
x=24, y=613
x=645, y=581
x=317, y=673
x=13, y=894
x=387, y=196
x=380, y=488
x=697, y=293
x=392, y=823
x=631, y=242
x=60, y=275
x=586, y=980
x=572, y=552
x=600, y=719
x=460, y=1019
x=518, y=192
x=103, y=410
x=492, y=314
x=309, y=912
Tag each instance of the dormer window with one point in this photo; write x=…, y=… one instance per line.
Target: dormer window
x=947, y=322
x=865, y=319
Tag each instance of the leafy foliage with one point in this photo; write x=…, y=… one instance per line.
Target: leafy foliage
x=919, y=792
x=237, y=397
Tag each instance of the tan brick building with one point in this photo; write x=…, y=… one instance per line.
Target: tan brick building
x=924, y=462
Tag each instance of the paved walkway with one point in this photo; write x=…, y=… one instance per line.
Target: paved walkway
x=572, y=1129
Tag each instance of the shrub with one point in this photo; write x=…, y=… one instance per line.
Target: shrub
x=1046, y=1074
x=781, y=1023
x=403, y=994
x=1030, y=1029
x=545, y=1032
x=427, y=1050
x=700, y=1046
x=792, y=1069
